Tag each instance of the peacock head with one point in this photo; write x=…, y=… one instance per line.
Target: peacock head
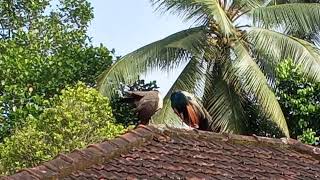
x=179, y=102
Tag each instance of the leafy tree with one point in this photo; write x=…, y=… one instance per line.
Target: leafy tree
x=309, y=137
x=78, y=117
x=227, y=58
x=43, y=48
x=300, y=101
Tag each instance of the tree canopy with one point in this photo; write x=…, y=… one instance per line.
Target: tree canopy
x=300, y=101
x=78, y=117
x=43, y=47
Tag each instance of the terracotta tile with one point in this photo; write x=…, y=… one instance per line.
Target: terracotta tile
x=73, y=177
x=82, y=178
x=229, y=146
x=262, y=155
x=192, y=175
x=59, y=165
x=221, y=177
x=243, y=174
x=44, y=171
x=22, y=175
x=181, y=154
x=215, y=145
x=239, y=167
x=131, y=177
x=97, y=166
x=110, y=167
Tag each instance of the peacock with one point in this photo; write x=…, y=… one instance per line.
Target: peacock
x=190, y=110
x=147, y=103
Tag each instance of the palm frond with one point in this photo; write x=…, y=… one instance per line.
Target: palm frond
x=278, y=46
x=166, y=53
x=294, y=17
x=246, y=74
x=246, y=5
x=316, y=40
x=224, y=105
x=266, y=66
x=188, y=80
x=202, y=10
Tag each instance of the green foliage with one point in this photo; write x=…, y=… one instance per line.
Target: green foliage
x=259, y=125
x=309, y=137
x=122, y=111
x=78, y=117
x=43, y=49
x=140, y=85
x=299, y=99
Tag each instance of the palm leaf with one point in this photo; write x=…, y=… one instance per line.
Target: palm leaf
x=224, y=105
x=294, y=17
x=278, y=46
x=246, y=74
x=166, y=53
x=203, y=10
x=246, y=5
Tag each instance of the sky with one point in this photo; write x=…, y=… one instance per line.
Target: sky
x=126, y=25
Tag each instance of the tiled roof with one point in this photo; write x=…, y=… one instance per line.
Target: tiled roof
x=153, y=153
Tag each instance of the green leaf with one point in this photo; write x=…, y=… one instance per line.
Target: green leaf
x=224, y=105
x=303, y=17
x=166, y=54
x=278, y=46
x=247, y=5
x=198, y=9
x=246, y=75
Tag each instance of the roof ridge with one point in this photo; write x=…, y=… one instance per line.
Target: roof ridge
x=64, y=164
x=293, y=143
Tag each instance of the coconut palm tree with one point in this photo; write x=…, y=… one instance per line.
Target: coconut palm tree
x=230, y=53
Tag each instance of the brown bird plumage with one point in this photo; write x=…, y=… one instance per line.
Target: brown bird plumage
x=147, y=103
x=191, y=111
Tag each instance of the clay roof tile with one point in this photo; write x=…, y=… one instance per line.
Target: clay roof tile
x=150, y=152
